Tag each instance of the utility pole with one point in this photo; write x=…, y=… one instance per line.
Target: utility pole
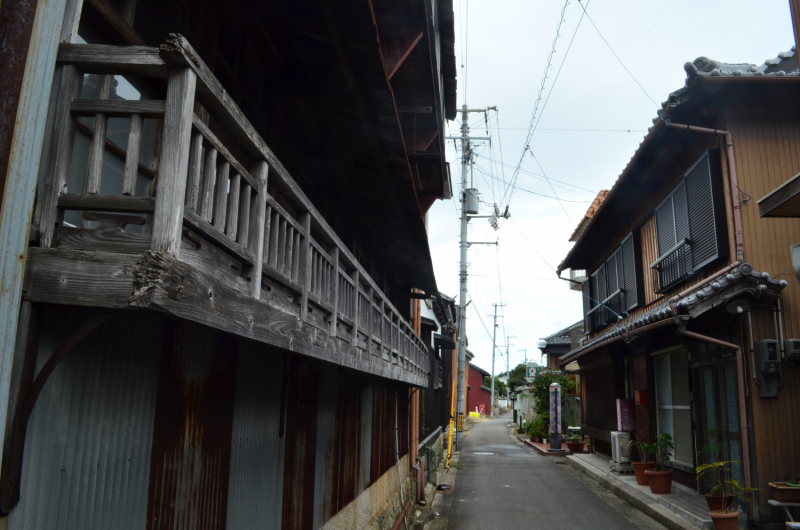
x=494, y=347
x=466, y=160
x=508, y=378
x=526, y=360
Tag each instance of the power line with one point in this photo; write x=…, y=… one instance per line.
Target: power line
x=615, y=54
x=538, y=98
x=531, y=173
x=539, y=194
x=554, y=190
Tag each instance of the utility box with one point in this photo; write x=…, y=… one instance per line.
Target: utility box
x=791, y=348
x=769, y=361
x=471, y=201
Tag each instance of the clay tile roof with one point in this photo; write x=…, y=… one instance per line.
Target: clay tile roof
x=589, y=214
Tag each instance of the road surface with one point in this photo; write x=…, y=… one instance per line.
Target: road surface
x=503, y=486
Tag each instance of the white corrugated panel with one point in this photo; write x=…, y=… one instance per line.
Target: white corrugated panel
x=255, y=492
x=87, y=452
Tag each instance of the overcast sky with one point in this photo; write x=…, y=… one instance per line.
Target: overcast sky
x=582, y=141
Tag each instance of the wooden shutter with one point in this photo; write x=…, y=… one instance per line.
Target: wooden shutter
x=706, y=219
x=602, y=292
x=594, y=289
x=613, y=274
x=665, y=226
x=587, y=304
x=630, y=273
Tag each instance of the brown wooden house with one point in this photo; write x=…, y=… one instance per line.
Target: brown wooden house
x=213, y=222
x=690, y=293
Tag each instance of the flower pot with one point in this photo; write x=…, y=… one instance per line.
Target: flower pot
x=782, y=492
x=725, y=520
x=639, y=468
x=534, y=439
x=719, y=501
x=660, y=481
x=576, y=447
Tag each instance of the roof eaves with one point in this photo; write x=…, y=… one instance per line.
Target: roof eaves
x=689, y=306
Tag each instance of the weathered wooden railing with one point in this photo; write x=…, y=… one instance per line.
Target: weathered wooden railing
x=205, y=200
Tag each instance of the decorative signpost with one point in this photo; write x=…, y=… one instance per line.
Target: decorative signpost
x=555, y=417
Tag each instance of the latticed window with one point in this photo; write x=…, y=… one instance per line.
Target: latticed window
x=690, y=225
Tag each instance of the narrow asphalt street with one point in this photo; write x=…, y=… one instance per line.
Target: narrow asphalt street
x=503, y=485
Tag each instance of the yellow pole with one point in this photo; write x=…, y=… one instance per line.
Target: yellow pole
x=450, y=437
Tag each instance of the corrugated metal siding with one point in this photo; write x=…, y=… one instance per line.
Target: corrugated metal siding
x=301, y=436
x=327, y=447
x=766, y=130
x=190, y=462
x=255, y=490
x=365, y=437
x=87, y=451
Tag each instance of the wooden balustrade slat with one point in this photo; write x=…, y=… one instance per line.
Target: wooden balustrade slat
x=195, y=166
x=212, y=139
x=282, y=247
x=221, y=195
x=118, y=108
x=273, y=240
x=98, y=145
x=132, y=156
x=334, y=294
x=282, y=211
x=206, y=200
x=245, y=202
x=232, y=221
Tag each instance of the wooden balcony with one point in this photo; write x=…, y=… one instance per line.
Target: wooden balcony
x=195, y=234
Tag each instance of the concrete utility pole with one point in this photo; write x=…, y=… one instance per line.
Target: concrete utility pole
x=466, y=160
x=494, y=347
x=508, y=377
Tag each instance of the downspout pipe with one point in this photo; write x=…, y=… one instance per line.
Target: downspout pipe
x=734, y=181
x=742, y=405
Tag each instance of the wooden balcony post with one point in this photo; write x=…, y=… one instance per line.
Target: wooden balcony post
x=53, y=175
x=355, y=309
x=305, y=265
x=174, y=163
x=334, y=298
x=258, y=225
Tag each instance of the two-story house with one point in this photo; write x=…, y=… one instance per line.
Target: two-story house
x=213, y=223
x=690, y=293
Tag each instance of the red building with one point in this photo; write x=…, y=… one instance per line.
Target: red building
x=479, y=396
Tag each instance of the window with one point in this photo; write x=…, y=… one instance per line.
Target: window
x=614, y=288
x=690, y=224
x=673, y=402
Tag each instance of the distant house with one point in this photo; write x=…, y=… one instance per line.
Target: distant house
x=560, y=343
x=479, y=396
x=689, y=292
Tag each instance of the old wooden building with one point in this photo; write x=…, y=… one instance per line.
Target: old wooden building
x=213, y=223
x=690, y=298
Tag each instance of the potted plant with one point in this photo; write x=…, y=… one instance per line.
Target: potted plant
x=524, y=428
x=643, y=449
x=726, y=517
x=660, y=479
x=717, y=499
x=575, y=443
x=531, y=430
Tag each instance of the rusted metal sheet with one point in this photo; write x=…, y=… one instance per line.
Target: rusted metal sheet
x=255, y=491
x=365, y=435
x=87, y=451
x=190, y=463
x=21, y=165
x=301, y=435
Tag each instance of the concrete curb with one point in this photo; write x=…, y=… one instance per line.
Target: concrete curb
x=645, y=504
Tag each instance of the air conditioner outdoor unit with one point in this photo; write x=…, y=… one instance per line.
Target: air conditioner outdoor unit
x=619, y=445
